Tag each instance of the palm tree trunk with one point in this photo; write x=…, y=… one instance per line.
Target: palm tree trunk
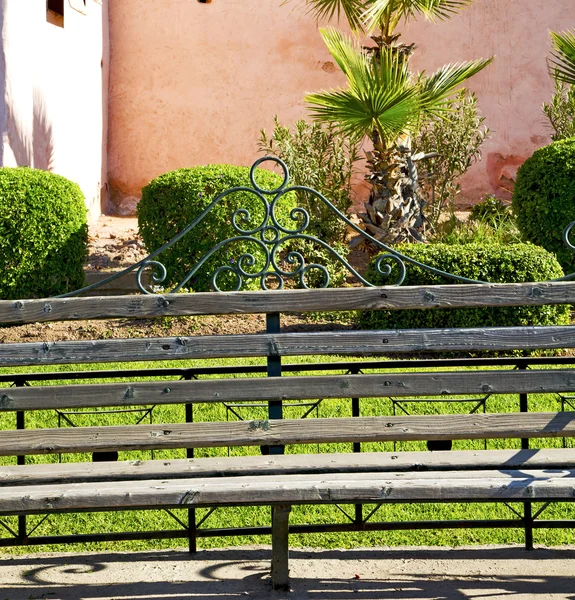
x=394, y=211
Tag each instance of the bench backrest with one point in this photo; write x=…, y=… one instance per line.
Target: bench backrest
x=274, y=346
x=283, y=432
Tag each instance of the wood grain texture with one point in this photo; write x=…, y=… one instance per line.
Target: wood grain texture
x=285, y=301
x=289, y=464
x=284, y=432
x=280, y=546
x=358, y=343
x=397, y=385
x=290, y=489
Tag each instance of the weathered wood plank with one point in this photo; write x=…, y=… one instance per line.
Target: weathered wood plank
x=288, y=388
x=425, y=297
x=289, y=489
x=289, y=464
x=288, y=431
x=358, y=343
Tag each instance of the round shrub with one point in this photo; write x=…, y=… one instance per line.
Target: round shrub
x=544, y=199
x=495, y=263
x=44, y=235
x=173, y=200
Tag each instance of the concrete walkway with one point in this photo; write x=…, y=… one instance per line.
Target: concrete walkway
x=404, y=574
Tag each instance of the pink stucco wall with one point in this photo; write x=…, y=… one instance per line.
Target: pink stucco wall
x=193, y=83
x=512, y=90
x=55, y=98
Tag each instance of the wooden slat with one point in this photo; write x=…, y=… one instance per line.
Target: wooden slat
x=297, y=431
x=444, y=296
x=289, y=464
x=252, y=389
x=288, y=344
x=290, y=489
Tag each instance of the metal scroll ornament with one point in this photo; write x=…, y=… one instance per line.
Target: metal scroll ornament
x=277, y=257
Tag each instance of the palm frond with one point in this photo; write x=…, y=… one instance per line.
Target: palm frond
x=437, y=88
x=359, y=115
x=381, y=94
x=346, y=53
x=442, y=10
x=403, y=9
x=563, y=57
x=327, y=10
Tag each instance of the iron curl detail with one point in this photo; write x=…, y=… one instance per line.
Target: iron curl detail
x=157, y=278
x=567, y=236
x=245, y=216
x=302, y=270
x=281, y=248
x=271, y=275
x=239, y=271
x=383, y=267
x=277, y=161
x=297, y=214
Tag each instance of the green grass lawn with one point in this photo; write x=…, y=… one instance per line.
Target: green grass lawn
x=252, y=516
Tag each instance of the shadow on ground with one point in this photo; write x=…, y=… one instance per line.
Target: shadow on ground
x=402, y=574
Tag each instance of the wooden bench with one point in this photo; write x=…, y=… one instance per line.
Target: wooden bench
x=281, y=481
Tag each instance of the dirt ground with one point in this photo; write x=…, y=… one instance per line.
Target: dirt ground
x=493, y=573
x=114, y=242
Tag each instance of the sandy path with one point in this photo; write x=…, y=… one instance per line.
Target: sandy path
x=491, y=573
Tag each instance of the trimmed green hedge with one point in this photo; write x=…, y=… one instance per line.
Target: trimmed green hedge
x=43, y=234
x=544, y=199
x=495, y=263
x=173, y=200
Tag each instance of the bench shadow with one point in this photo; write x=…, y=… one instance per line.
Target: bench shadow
x=232, y=573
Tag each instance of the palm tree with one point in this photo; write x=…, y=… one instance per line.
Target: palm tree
x=563, y=57
x=385, y=101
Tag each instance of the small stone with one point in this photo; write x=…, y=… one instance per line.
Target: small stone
x=127, y=207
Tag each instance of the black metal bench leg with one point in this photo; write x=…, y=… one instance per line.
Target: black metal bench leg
x=528, y=525
x=280, y=547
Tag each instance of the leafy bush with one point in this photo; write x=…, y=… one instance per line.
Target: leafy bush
x=544, y=199
x=44, y=235
x=480, y=231
x=491, y=221
x=494, y=263
x=173, y=200
x=457, y=137
x=561, y=111
x=318, y=157
x=491, y=209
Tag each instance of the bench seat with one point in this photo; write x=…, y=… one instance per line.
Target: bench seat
x=288, y=464
x=488, y=485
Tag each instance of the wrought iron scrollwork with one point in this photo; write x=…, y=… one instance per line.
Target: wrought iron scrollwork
x=567, y=236
x=276, y=256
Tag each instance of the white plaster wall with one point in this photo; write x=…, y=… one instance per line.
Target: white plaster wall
x=55, y=97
